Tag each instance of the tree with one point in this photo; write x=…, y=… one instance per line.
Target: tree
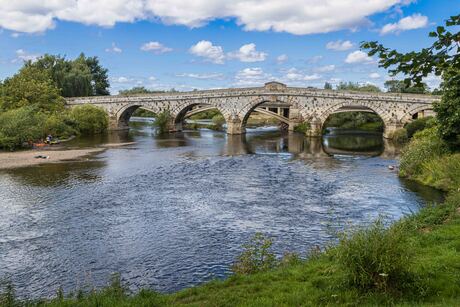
x=75, y=78
x=327, y=86
x=100, y=80
x=351, y=86
x=90, y=119
x=442, y=58
x=399, y=86
x=31, y=86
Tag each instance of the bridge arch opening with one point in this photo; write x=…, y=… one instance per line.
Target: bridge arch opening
x=196, y=116
x=124, y=115
x=353, y=116
x=266, y=113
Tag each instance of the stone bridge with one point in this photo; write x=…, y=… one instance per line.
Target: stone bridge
x=290, y=105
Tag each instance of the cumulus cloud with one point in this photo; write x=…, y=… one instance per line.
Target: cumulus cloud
x=248, y=53
x=281, y=58
x=326, y=68
x=208, y=51
x=114, y=49
x=23, y=56
x=296, y=16
x=155, y=47
x=294, y=74
x=339, y=45
x=358, y=57
x=374, y=75
x=251, y=77
x=202, y=76
x=415, y=21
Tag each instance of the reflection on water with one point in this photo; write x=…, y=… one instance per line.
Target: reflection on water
x=172, y=211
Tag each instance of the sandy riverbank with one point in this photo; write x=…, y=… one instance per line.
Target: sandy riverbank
x=16, y=159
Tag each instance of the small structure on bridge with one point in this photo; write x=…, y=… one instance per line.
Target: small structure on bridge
x=291, y=105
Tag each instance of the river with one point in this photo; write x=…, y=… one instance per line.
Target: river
x=170, y=212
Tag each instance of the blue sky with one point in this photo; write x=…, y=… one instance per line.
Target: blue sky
x=163, y=44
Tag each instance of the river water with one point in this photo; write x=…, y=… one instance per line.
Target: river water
x=173, y=211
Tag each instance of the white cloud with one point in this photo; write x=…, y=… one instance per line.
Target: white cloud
x=415, y=21
x=339, y=45
x=248, y=53
x=358, y=57
x=202, y=76
x=252, y=77
x=152, y=78
x=22, y=56
x=282, y=58
x=210, y=52
x=374, y=75
x=294, y=74
x=113, y=49
x=296, y=16
x=155, y=47
x=326, y=68
x=122, y=80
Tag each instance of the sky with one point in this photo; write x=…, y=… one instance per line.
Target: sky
x=206, y=44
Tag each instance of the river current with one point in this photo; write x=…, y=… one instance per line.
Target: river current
x=170, y=212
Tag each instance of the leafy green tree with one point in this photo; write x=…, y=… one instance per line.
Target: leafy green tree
x=90, y=119
x=99, y=76
x=138, y=90
x=351, y=86
x=21, y=125
x=31, y=86
x=399, y=86
x=442, y=58
x=80, y=77
x=327, y=86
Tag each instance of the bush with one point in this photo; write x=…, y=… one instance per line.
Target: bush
x=218, y=121
x=424, y=146
x=417, y=125
x=162, y=121
x=60, y=125
x=256, y=257
x=442, y=172
x=376, y=258
x=18, y=126
x=90, y=119
x=302, y=128
x=399, y=136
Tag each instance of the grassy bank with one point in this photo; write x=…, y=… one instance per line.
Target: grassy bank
x=415, y=261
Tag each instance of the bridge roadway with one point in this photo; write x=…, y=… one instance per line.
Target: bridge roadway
x=293, y=106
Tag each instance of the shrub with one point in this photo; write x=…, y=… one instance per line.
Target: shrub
x=60, y=125
x=417, y=125
x=302, y=128
x=256, y=257
x=375, y=258
x=218, y=121
x=424, y=146
x=442, y=172
x=162, y=121
x=90, y=119
x=399, y=136
x=20, y=126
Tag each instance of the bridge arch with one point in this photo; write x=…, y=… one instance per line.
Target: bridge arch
x=254, y=105
x=184, y=111
x=320, y=120
x=124, y=113
x=409, y=115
